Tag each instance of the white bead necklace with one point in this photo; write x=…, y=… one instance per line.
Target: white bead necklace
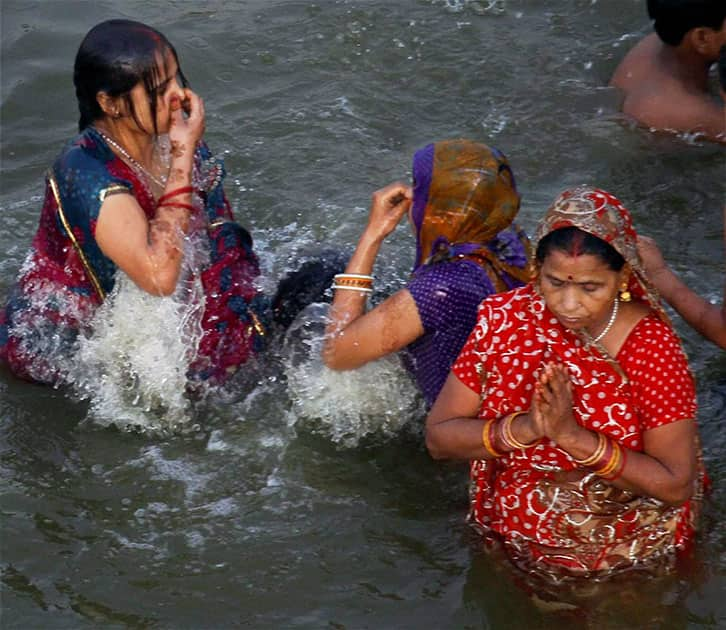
x=135, y=163
x=610, y=323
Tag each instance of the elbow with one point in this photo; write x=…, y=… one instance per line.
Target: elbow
x=339, y=359
x=159, y=284
x=679, y=494
x=330, y=358
x=162, y=287
x=433, y=444
x=164, y=290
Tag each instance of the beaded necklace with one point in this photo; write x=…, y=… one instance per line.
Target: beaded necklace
x=610, y=323
x=135, y=163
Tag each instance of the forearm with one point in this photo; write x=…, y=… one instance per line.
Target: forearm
x=169, y=225
x=471, y=438
x=349, y=304
x=457, y=439
x=638, y=472
x=706, y=318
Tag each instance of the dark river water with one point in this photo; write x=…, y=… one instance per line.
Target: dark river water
x=304, y=499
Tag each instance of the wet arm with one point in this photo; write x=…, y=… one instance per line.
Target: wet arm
x=708, y=319
x=353, y=336
x=664, y=470
x=150, y=252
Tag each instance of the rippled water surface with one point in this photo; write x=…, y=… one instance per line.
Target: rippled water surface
x=305, y=499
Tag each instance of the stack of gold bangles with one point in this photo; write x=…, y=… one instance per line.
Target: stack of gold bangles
x=607, y=460
x=353, y=282
x=499, y=432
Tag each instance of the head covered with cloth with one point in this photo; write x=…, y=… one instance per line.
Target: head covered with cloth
x=574, y=403
x=461, y=205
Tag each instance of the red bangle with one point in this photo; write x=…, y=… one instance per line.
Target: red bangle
x=174, y=193
x=177, y=204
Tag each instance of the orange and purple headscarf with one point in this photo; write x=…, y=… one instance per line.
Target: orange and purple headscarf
x=464, y=194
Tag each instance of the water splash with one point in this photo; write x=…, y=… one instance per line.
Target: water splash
x=133, y=365
x=376, y=400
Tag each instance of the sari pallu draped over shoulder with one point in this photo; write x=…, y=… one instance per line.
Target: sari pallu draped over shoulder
x=555, y=518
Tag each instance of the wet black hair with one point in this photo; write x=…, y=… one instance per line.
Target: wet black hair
x=674, y=18
x=722, y=67
x=308, y=284
x=113, y=57
x=575, y=242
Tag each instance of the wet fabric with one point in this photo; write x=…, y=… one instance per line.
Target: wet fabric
x=447, y=296
x=467, y=247
x=556, y=518
x=601, y=214
x=464, y=194
x=66, y=276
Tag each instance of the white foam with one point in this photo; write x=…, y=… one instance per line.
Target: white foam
x=378, y=399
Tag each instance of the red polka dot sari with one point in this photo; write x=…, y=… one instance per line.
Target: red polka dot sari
x=554, y=517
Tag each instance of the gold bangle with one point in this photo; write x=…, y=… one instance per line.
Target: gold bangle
x=353, y=282
x=602, y=443
x=486, y=439
x=612, y=463
x=508, y=436
x=618, y=470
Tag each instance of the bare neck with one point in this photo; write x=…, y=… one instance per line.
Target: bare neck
x=139, y=145
x=685, y=65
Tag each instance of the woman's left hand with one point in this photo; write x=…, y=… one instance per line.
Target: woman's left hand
x=187, y=122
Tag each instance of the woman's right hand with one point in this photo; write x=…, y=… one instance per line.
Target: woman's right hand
x=388, y=206
x=552, y=414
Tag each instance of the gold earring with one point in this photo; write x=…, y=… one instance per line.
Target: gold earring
x=624, y=293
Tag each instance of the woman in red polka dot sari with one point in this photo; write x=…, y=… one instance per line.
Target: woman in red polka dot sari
x=574, y=402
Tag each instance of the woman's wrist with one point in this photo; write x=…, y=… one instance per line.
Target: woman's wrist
x=500, y=435
x=579, y=442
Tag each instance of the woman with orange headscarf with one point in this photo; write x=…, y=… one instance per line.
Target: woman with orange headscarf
x=461, y=208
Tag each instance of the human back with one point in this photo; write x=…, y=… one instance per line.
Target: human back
x=664, y=78
x=461, y=208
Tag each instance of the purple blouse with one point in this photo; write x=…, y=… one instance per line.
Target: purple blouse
x=447, y=295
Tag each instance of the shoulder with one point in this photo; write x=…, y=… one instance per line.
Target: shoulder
x=515, y=299
x=83, y=170
x=462, y=280
x=658, y=370
x=84, y=157
x=507, y=310
x=637, y=63
x=448, y=293
x=654, y=345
